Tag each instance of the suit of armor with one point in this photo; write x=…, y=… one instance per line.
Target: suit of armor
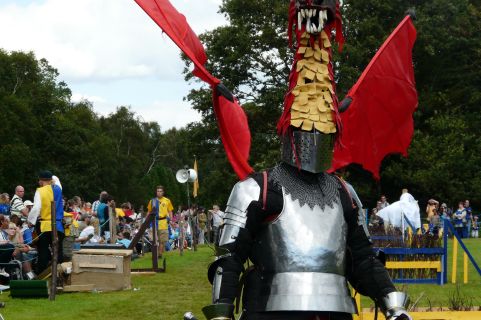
x=306, y=237
x=302, y=229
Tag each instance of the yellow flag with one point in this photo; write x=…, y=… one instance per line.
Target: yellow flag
x=196, y=182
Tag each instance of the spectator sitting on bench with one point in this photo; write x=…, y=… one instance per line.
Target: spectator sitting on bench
x=88, y=233
x=6, y=249
x=21, y=252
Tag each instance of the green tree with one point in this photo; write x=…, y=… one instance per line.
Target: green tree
x=251, y=57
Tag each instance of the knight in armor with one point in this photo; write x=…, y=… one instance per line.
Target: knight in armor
x=302, y=229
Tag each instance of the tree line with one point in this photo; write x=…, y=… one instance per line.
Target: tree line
x=41, y=128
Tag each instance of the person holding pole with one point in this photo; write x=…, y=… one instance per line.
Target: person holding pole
x=162, y=208
x=40, y=216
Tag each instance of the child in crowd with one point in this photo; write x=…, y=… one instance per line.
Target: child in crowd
x=124, y=238
x=475, y=228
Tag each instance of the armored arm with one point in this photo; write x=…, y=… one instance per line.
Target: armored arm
x=365, y=272
x=233, y=249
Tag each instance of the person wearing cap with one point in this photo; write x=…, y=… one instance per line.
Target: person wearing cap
x=29, y=205
x=40, y=216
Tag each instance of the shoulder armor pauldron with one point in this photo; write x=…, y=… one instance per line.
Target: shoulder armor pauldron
x=243, y=193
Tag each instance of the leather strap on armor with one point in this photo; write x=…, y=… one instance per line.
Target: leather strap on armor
x=264, y=190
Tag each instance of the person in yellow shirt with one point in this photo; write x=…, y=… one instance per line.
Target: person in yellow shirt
x=162, y=208
x=40, y=216
x=119, y=213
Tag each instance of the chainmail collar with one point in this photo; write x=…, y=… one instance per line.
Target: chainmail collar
x=313, y=189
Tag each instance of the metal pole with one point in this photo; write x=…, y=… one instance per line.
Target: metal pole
x=188, y=195
x=53, y=283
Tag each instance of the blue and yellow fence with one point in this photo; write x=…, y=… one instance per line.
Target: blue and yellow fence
x=433, y=258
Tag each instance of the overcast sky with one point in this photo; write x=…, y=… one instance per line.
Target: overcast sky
x=109, y=51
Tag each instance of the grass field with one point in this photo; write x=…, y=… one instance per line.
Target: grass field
x=185, y=288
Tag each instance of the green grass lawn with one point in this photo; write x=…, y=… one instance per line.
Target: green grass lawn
x=184, y=287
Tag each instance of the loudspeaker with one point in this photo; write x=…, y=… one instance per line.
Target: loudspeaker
x=182, y=175
x=192, y=175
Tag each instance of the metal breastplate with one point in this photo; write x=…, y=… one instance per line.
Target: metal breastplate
x=300, y=258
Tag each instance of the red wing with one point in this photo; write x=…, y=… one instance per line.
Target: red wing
x=231, y=118
x=379, y=120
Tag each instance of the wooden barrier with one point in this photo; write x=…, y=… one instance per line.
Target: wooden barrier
x=427, y=264
x=431, y=315
x=368, y=314
x=149, y=220
x=455, y=260
x=414, y=265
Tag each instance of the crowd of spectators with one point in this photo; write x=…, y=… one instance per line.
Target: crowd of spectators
x=465, y=221
x=88, y=223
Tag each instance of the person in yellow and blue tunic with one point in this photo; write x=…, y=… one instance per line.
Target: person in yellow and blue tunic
x=40, y=216
x=162, y=208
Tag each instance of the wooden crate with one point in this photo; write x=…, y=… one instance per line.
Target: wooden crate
x=106, y=270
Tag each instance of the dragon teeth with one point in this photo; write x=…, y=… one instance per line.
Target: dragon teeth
x=299, y=21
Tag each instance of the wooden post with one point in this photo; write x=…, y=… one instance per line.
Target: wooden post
x=445, y=251
x=112, y=226
x=194, y=228
x=155, y=246
x=455, y=260
x=53, y=283
x=209, y=228
x=357, y=298
x=181, y=235
x=465, y=268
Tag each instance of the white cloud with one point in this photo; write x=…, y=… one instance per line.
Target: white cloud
x=170, y=113
x=77, y=97
x=94, y=42
x=92, y=39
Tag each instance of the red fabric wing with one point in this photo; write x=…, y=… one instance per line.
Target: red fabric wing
x=379, y=120
x=231, y=118
x=176, y=27
x=235, y=134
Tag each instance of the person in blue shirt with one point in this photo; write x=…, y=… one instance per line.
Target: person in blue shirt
x=469, y=220
x=459, y=219
x=124, y=239
x=5, y=204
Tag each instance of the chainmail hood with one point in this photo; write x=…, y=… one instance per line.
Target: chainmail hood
x=318, y=189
